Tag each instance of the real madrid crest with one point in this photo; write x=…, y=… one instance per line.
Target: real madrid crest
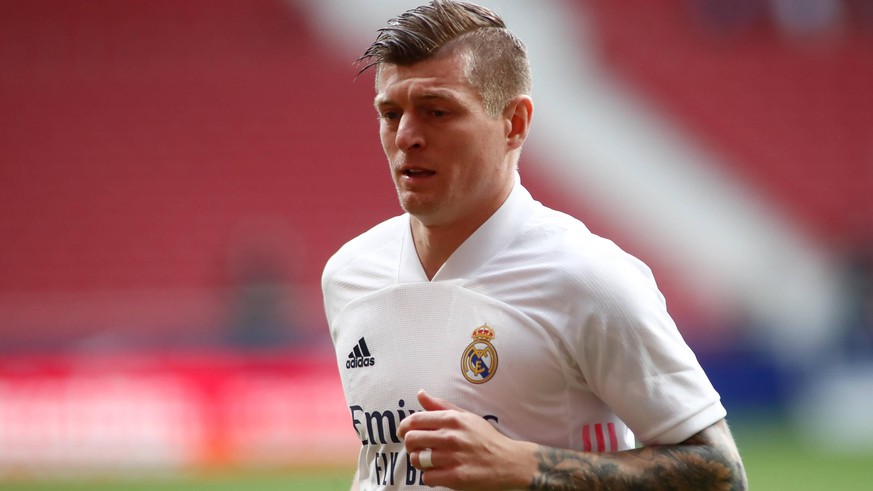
x=479, y=362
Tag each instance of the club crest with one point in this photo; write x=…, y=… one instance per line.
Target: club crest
x=479, y=362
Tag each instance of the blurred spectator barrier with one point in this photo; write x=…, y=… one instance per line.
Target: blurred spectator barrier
x=121, y=412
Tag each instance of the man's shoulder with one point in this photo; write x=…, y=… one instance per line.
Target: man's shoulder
x=376, y=242
x=555, y=232
x=364, y=264
x=575, y=253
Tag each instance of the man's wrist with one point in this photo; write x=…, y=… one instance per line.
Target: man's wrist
x=522, y=468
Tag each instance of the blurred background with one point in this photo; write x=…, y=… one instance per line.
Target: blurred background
x=175, y=173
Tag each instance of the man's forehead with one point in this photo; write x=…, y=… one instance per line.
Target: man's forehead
x=417, y=90
x=421, y=82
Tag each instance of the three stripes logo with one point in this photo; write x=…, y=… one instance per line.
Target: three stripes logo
x=360, y=356
x=604, y=438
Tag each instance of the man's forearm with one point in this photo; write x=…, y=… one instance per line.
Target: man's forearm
x=706, y=461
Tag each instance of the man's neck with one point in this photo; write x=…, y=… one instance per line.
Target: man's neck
x=435, y=244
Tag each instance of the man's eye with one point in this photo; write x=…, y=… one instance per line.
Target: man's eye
x=390, y=115
x=438, y=113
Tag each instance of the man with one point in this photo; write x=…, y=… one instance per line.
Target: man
x=483, y=340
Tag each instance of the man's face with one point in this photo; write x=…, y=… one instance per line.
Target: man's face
x=448, y=157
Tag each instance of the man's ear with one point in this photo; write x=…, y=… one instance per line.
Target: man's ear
x=518, y=114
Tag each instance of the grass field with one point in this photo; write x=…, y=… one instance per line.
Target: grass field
x=325, y=479
x=775, y=460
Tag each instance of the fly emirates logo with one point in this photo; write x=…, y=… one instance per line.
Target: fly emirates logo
x=379, y=428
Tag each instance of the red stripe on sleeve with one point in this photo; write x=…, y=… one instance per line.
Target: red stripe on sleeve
x=613, y=439
x=598, y=431
x=586, y=438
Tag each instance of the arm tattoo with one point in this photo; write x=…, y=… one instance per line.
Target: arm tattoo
x=706, y=461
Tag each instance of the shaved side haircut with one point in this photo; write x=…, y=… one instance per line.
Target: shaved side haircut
x=496, y=60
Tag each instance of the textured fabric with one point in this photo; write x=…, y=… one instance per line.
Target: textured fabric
x=553, y=334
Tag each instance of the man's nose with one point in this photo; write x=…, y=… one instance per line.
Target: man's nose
x=409, y=133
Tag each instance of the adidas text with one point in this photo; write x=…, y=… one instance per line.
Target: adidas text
x=360, y=362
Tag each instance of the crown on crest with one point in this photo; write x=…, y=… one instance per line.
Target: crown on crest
x=483, y=332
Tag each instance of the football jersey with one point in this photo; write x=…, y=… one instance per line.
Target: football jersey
x=551, y=333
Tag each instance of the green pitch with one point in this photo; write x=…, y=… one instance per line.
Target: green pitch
x=775, y=460
x=334, y=479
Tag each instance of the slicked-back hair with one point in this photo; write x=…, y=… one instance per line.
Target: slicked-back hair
x=496, y=60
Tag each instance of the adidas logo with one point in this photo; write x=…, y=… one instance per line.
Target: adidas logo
x=360, y=356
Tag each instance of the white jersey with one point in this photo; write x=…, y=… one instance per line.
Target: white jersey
x=550, y=332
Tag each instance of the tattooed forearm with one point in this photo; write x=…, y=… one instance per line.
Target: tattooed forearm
x=707, y=461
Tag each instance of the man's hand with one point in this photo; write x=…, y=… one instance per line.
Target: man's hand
x=467, y=452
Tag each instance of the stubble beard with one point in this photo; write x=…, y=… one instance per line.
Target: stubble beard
x=426, y=209
x=417, y=206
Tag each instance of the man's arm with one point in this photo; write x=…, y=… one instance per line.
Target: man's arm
x=707, y=460
x=469, y=453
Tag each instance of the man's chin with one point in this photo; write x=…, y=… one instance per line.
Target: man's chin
x=418, y=211
x=417, y=205
x=426, y=213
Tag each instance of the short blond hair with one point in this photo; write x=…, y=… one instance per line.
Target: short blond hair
x=497, y=63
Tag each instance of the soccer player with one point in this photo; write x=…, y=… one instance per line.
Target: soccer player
x=485, y=341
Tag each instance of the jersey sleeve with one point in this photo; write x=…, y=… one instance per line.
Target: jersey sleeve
x=632, y=354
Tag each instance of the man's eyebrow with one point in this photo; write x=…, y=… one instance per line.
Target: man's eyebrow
x=381, y=100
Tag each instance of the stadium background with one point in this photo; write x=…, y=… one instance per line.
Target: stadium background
x=174, y=174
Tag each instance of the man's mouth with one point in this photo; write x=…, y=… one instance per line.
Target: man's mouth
x=417, y=172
